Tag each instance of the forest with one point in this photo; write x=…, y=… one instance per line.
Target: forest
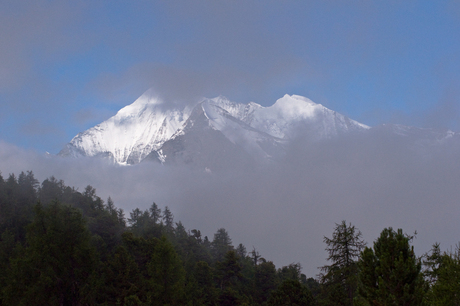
x=60, y=246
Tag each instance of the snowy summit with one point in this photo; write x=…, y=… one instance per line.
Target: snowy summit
x=146, y=130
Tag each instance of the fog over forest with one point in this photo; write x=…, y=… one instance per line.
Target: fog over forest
x=284, y=209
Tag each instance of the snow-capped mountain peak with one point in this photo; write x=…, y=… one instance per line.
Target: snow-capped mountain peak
x=295, y=107
x=144, y=126
x=148, y=99
x=293, y=115
x=131, y=134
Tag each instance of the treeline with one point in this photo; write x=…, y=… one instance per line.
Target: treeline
x=59, y=246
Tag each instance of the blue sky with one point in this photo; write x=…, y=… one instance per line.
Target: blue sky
x=68, y=65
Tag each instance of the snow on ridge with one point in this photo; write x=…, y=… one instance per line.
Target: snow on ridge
x=141, y=127
x=148, y=98
x=296, y=107
x=133, y=132
x=235, y=131
x=240, y=111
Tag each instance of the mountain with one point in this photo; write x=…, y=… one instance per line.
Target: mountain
x=212, y=132
x=130, y=135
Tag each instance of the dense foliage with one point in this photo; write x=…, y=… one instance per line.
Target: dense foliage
x=59, y=246
x=390, y=273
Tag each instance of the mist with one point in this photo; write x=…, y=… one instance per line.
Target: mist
x=284, y=209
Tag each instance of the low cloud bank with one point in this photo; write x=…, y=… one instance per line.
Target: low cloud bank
x=285, y=209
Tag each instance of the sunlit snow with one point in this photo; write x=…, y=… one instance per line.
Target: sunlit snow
x=144, y=126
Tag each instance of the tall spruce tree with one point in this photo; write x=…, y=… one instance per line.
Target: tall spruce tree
x=390, y=272
x=445, y=277
x=264, y=281
x=432, y=262
x=123, y=278
x=167, y=274
x=228, y=274
x=155, y=213
x=168, y=219
x=221, y=244
x=340, y=279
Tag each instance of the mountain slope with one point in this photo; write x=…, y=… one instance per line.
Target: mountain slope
x=250, y=131
x=130, y=135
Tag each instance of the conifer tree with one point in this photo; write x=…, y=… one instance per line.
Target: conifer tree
x=291, y=271
x=206, y=292
x=7, y=249
x=390, y=272
x=432, y=263
x=111, y=208
x=241, y=251
x=229, y=276
x=51, y=189
x=4, y=209
x=155, y=213
x=167, y=274
x=445, y=289
x=229, y=270
x=58, y=264
x=121, y=217
x=123, y=278
x=28, y=186
x=168, y=219
x=264, y=281
x=340, y=279
x=291, y=292
x=255, y=256
x=221, y=244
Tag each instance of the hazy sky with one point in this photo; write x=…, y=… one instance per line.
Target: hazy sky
x=68, y=65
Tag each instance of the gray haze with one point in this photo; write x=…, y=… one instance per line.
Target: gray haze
x=285, y=209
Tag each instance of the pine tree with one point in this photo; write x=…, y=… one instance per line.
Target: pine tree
x=123, y=277
x=228, y=273
x=51, y=189
x=155, y=213
x=168, y=219
x=167, y=274
x=111, y=208
x=206, y=292
x=264, y=281
x=445, y=289
x=135, y=217
x=291, y=292
x=221, y=244
x=4, y=207
x=121, y=217
x=241, y=251
x=7, y=252
x=432, y=263
x=28, y=187
x=390, y=272
x=291, y=271
x=229, y=270
x=340, y=279
x=255, y=256
x=58, y=264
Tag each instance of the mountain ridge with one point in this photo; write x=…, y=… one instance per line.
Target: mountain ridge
x=146, y=130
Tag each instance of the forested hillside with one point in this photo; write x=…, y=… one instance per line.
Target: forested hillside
x=60, y=246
